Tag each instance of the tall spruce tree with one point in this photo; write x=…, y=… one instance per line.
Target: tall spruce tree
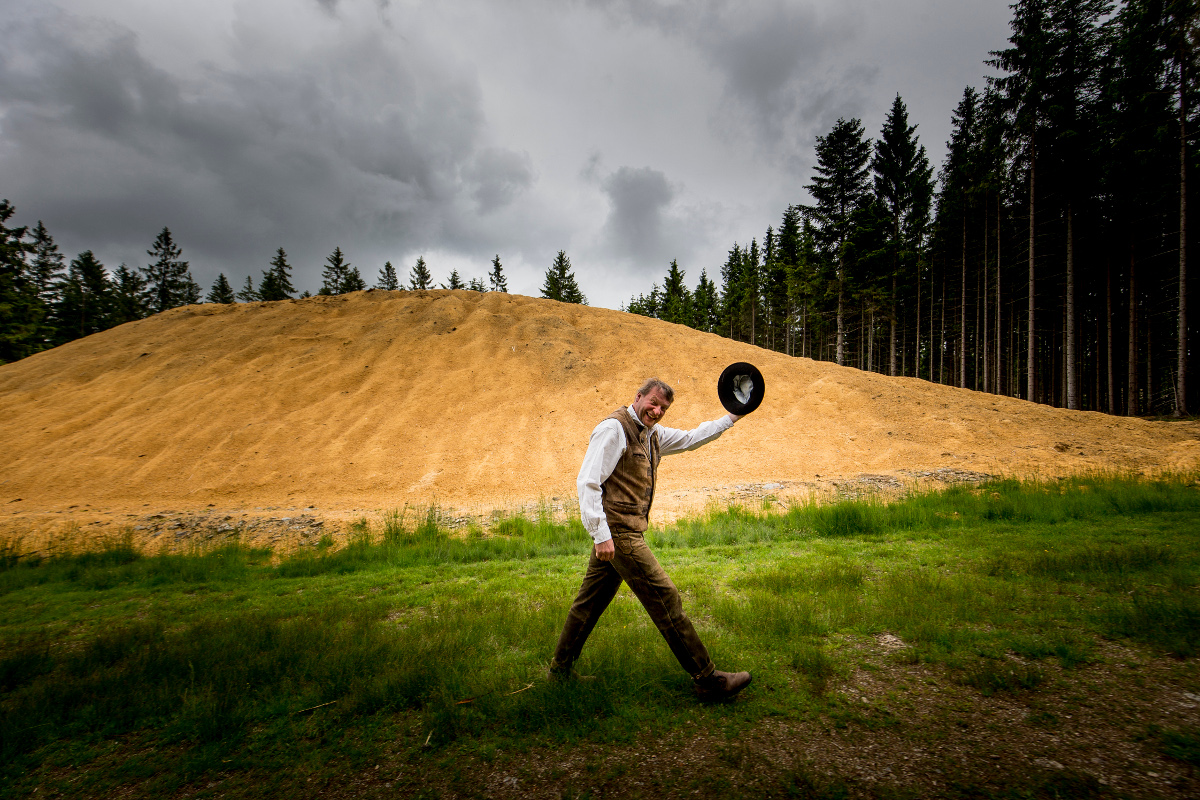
x=84, y=303
x=248, y=294
x=45, y=271
x=560, y=282
x=168, y=282
x=787, y=253
x=387, y=278
x=840, y=189
x=277, y=281
x=221, y=291
x=1076, y=44
x=1136, y=118
x=353, y=281
x=20, y=309
x=419, y=277
x=128, y=295
x=705, y=305
x=1183, y=35
x=775, y=290
x=335, y=273
x=751, y=295
x=46, y=264
x=904, y=185
x=732, y=290
x=677, y=299
x=455, y=281
x=1023, y=89
x=496, y=276
x=959, y=184
x=192, y=293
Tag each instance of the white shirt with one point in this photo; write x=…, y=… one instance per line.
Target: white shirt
x=605, y=449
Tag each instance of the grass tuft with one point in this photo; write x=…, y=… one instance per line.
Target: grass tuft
x=989, y=676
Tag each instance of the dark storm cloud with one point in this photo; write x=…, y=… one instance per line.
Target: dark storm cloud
x=635, y=226
x=497, y=177
x=454, y=130
x=647, y=225
x=331, y=6
x=777, y=58
x=354, y=140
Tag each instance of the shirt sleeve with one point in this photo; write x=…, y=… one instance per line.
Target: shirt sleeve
x=672, y=440
x=603, y=453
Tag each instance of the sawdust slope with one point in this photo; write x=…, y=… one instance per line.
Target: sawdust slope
x=376, y=399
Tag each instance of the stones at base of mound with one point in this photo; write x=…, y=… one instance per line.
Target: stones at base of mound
x=210, y=529
x=949, y=475
x=743, y=491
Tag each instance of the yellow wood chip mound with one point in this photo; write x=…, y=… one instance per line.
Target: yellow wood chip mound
x=369, y=401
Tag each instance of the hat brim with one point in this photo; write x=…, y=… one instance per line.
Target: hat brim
x=732, y=379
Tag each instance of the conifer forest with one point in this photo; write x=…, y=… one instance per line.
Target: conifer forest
x=1045, y=258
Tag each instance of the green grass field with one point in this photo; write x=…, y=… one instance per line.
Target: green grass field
x=411, y=662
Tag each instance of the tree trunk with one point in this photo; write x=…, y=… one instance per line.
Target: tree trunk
x=1108, y=345
x=753, y=310
x=942, y=338
x=892, y=337
x=841, y=350
x=1181, y=367
x=804, y=329
x=871, y=341
x=962, y=312
x=1029, y=344
x=999, y=360
x=1148, y=406
x=1071, y=368
x=917, y=352
x=975, y=333
x=986, y=301
x=1131, y=399
x=932, y=303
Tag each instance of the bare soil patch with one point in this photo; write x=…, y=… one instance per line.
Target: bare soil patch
x=891, y=729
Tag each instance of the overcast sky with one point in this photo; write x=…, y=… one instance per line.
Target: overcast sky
x=625, y=132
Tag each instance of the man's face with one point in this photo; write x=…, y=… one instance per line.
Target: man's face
x=651, y=407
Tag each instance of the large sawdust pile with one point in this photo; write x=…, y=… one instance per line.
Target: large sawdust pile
x=376, y=399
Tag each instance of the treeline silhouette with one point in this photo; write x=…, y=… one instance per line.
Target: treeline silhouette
x=45, y=301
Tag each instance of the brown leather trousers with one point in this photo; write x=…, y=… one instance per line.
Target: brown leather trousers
x=634, y=564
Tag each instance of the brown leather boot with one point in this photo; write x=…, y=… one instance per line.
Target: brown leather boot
x=720, y=685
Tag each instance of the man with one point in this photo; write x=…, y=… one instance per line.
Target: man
x=616, y=488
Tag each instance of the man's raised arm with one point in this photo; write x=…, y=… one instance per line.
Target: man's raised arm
x=672, y=440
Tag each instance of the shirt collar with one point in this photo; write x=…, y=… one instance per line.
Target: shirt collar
x=633, y=414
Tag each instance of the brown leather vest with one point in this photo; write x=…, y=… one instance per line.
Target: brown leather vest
x=629, y=491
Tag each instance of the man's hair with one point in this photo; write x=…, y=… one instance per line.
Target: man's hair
x=654, y=383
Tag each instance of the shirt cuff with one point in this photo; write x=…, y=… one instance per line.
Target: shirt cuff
x=602, y=534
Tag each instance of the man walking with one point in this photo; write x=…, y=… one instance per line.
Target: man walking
x=616, y=488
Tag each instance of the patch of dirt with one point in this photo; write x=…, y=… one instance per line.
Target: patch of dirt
x=892, y=729
x=349, y=406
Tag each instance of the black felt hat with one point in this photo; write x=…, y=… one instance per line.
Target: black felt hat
x=741, y=388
